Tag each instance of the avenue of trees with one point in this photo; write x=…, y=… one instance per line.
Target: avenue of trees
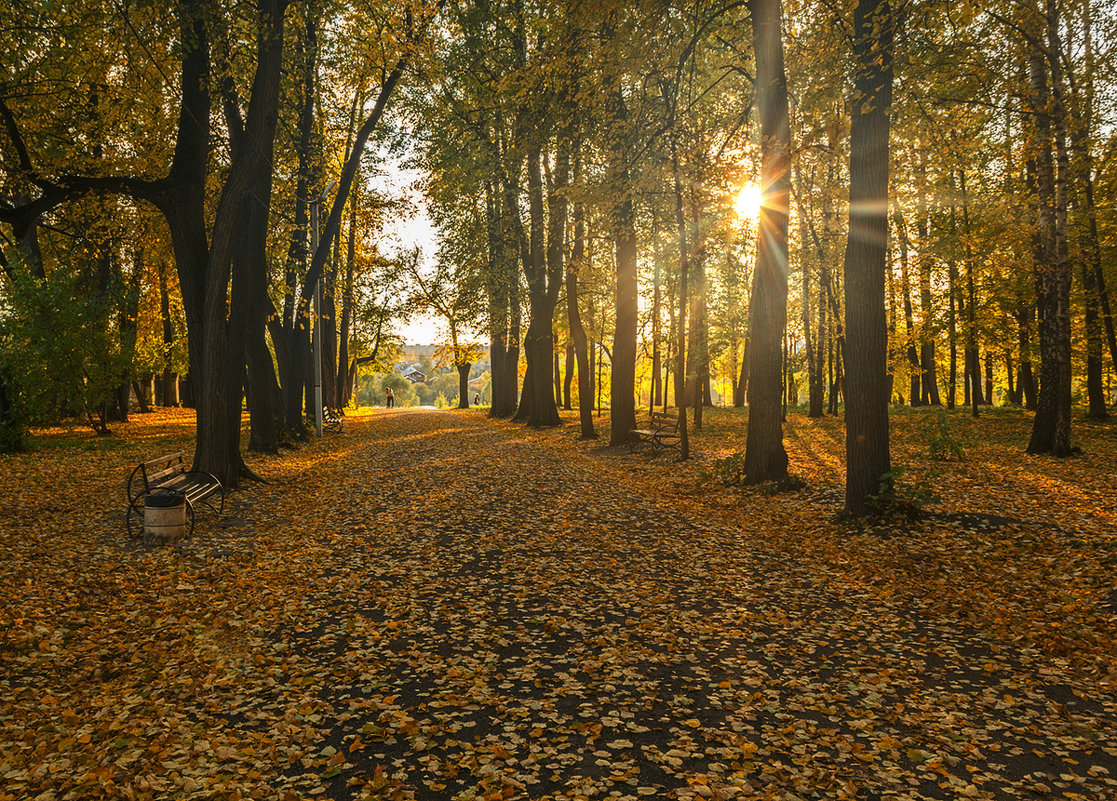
x=934, y=223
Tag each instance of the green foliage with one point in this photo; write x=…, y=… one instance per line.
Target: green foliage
x=943, y=444
x=424, y=394
x=402, y=390
x=729, y=470
x=895, y=498
x=446, y=384
x=441, y=402
x=13, y=422
x=58, y=348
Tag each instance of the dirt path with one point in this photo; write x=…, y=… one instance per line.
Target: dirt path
x=502, y=620
x=434, y=606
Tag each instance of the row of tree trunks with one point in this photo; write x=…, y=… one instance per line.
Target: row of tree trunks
x=1051, y=426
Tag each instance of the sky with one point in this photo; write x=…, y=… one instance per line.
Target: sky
x=405, y=233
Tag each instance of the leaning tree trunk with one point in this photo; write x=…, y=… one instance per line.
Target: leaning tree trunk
x=765, y=457
x=868, y=462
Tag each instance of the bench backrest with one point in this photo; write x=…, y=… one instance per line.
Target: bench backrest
x=665, y=419
x=157, y=471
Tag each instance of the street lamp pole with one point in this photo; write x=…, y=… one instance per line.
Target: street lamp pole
x=315, y=209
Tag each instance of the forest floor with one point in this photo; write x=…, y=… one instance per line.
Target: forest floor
x=433, y=605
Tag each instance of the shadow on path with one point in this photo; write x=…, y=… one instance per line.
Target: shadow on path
x=498, y=620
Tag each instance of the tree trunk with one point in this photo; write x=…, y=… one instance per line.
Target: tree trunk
x=1095, y=303
x=558, y=377
x=682, y=394
x=928, y=368
x=577, y=330
x=657, y=311
x=915, y=383
x=765, y=457
x=543, y=270
x=1010, y=377
x=463, y=385
x=868, y=462
x=1051, y=426
x=344, y=381
x=972, y=354
x=952, y=333
x=501, y=279
x=622, y=389
x=814, y=408
x=568, y=377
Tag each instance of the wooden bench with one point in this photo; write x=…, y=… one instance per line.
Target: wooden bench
x=331, y=420
x=169, y=473
x=660, y=430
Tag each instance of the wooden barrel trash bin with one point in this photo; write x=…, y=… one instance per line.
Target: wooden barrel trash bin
x=165, y=516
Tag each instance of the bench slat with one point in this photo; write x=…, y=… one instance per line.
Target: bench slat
x=156, y=479
x=170, y=457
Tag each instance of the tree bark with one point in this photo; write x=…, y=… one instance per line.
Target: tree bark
x=915, y=382
x=930, y=384
x=1051, y=427
x=543, y=271
x=868, y=462
x=577, y=330
x=765, y=457
x=622, y=389
x=463, y=384
x=681, y=393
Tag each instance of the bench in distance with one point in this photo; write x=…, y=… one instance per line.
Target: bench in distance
x=660, y=430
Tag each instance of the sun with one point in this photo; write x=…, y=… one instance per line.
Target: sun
x=748, y=200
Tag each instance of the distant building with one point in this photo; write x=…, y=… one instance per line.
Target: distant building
x=414, y=375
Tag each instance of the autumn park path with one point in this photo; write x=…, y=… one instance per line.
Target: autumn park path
x=433, y=605
x=502, y=619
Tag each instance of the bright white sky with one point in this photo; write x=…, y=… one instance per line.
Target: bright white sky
x=405, y=234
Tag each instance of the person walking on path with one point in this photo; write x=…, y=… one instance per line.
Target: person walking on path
x=391, y=400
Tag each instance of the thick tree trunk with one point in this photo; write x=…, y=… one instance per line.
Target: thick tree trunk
x=219, y=402
x=463, y=385
x=868, y=462
x=543, y=271
x=1051, y=426
x=765, y=457
x=288, y=340
x=248, y=318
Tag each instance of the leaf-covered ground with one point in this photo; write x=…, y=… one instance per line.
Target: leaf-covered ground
x=432, y=605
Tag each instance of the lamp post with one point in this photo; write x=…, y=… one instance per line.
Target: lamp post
x=316, y=334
